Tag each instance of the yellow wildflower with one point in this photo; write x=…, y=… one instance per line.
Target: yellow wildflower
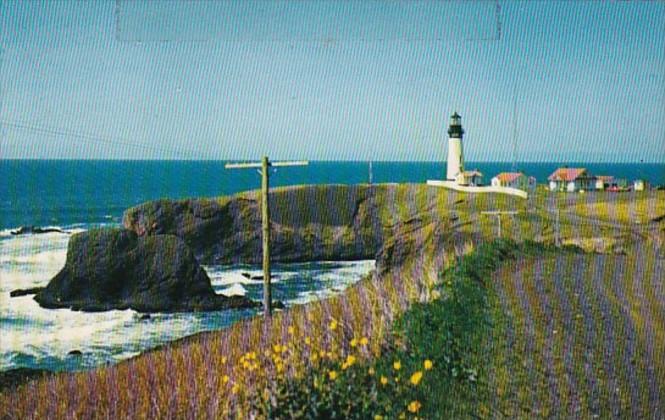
x=332, y=375
x=353, y=343
x=378, y=417
x=414, y=406
x=416, y=377
x=291, y=330
x=225, y=379
x=397, y=365
x=428, y=364
x=364, y=341
x=350, y=360
x=223, y=359
x=333, y=325
x=384, y=380
x=308, y=341
x=235, y=388
x=371, y=372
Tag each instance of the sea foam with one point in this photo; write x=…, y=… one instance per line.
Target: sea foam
x=43, y=338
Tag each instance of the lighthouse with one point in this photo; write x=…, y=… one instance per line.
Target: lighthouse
x=457, y=179
x=455, y=168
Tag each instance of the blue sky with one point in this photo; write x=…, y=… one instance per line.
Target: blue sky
x=332, y=80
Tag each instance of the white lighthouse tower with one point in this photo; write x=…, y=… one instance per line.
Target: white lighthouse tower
x=455, y=168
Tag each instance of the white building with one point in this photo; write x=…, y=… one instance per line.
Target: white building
x=640, y=185
x=514, y=180
x=571, y=180
x=605, y=182
x=474, y=177
x=455, y=163
x=455, y=166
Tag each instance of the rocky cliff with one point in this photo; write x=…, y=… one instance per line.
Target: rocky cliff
x=308, y=223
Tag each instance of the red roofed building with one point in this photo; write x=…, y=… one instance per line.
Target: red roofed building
x=514, y=180
x=571, y=180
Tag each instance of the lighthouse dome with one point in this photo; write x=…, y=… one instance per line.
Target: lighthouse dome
x=455, y=130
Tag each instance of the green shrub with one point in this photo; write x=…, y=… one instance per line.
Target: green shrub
x=447, y=332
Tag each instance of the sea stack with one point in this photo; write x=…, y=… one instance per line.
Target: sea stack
x=116, y=269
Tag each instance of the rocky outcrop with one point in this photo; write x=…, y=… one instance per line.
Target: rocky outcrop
x=25, y=230
x=25, y=292
x=116, y=269
x=325, y=222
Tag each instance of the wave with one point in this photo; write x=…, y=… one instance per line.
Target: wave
x=42, y=338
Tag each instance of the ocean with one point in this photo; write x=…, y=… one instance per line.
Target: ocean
x=77, y=195
x=71, y=192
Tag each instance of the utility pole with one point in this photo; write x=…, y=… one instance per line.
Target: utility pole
x=557, y=224
x=557, y=234
x=514, y=165
x=265, y=219
x=498, y=214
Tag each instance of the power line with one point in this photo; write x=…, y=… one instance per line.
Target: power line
x=514, y=165
x=86, y=138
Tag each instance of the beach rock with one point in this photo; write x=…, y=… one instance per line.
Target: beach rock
x=116, y=269
x=12, y=378
x=75, y=353
x=23, y=230
x=24, y=292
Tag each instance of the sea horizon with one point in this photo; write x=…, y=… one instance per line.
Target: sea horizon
x=68, y=192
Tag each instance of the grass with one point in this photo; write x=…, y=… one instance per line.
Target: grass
x=608, y=322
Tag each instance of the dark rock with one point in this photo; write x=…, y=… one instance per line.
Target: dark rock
x=144, y=317
x=23, y=292
x=246, y=275
x=23, y=230
x=10, y=379
x=116, y=269
x=75, y=353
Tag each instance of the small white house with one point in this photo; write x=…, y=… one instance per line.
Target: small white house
x=473, y=178
x=604, y=182
x=514, y=180
x=571, y=180
x=640, y=185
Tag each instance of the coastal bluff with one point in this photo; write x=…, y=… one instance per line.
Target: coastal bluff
x=309, y=223
x=153, y=264
x=116, y=269
x=321, y=222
